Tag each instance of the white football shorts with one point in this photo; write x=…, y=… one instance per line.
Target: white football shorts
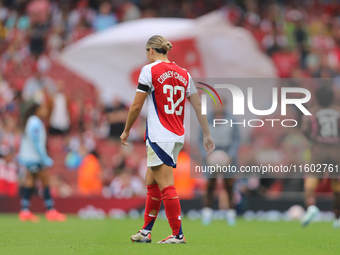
x=162, y=153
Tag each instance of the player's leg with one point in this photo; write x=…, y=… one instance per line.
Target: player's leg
x=153, y=201
x=310, y=186
x=164, y=177
x=27, y=192
x=336, y=202
x=152, y=205
x=51, y=213
x=207, y=211
x=231, y=213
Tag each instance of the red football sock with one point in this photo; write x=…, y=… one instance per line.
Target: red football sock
x=153, y=203
x=172, y=209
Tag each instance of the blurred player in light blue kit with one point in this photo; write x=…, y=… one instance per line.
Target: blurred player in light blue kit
x=227, y=142
x=33, y=156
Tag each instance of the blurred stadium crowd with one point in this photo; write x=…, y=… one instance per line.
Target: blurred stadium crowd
x=301, y=37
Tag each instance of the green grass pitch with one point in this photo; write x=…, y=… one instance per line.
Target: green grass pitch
x=109, y=236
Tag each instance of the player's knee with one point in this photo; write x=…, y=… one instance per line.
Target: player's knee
x=150, y=183
x=153, y=212
x=29, y=182
x=45, y=181
x=165, y=184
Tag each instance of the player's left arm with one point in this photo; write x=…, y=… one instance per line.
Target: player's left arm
x=133, y=114
x=195, y=101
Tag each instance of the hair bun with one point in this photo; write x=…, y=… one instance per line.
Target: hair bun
x=167, y=46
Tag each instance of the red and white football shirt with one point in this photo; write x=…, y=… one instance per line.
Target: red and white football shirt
x=167, y=86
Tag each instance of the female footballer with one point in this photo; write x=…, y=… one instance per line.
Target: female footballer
x=166, y=85
x=33, y=156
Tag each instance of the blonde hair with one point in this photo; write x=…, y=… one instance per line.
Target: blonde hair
x=159, y=43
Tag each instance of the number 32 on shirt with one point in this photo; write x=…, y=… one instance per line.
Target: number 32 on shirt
x=173, y=108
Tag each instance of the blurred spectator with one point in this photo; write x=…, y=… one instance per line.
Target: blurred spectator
x=74, y=155
x=55, y=41
x=59, y=188
x=286, y=62
x=37, y=85
x=82, y=13
x=104, y=18
x=10, y=133
x=102, y=127
x=6, y=94
x=89, y=141
x=130, y=11
x=324, y=70
x=3, y=12
x=16, y=53
x=8, y=173
x=313, y=60
x=127, y=185
x=18, y=19
x=301, y=39
x=116, y=115
x=37, y=36
x=274, y=41
x=88, y=112
x=38, y=11
x=90, y=176
x=185, y=186
x=322, y=39
x=76, y=112
x=60, y=115
x=60, y=18
x=81, y=30
x=78, y=146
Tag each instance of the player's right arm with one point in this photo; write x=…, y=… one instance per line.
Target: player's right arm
x=133, y=114
x=208, y=142
x=195, y=101
x=144, y=86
